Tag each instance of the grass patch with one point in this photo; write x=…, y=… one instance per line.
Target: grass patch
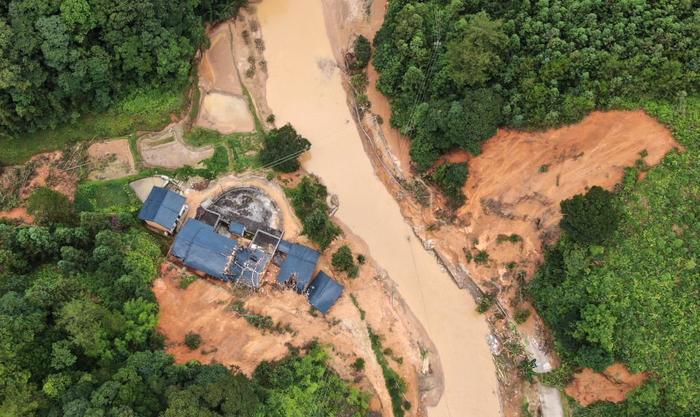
x=187, y=280
x=107, y=196
x=394, y=383
x=143, y=110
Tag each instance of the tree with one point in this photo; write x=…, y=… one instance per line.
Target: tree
x=193, y=340
x=591, y=217
x=342, y=260
x=451, y=177
x=362, y=51
x=282, y=149
x=474, y=57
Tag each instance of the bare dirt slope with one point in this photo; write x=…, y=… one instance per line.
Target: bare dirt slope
x=223, y=106
x=517, y=183
x=111, y=159
x=515, y=187
x=613, y=385
x=168, y=149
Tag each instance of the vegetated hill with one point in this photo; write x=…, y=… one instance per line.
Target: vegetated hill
x=60, y=59
x=634, y=296
x=455, y=70
x=78, y=324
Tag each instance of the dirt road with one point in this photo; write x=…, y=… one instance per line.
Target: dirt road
x=304, y=88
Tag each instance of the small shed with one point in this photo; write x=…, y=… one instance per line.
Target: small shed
x=237, y=228
x=299, y=265
x=199, y=247
x=163, y=209
x=324, y=291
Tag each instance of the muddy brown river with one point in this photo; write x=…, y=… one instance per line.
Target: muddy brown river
x=304, y=88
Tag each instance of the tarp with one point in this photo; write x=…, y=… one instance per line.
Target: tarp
x=301, y=261
x=237, y=228
x=199, y=247
x=162, y=207
x=324, y=291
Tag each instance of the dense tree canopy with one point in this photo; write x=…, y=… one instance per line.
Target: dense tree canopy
x=590, y=217
x=78, y=325
x=59, y=59
x=455, y=70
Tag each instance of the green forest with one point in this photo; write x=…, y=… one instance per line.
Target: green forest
x=78, y=335
x=62, y=59
x=456, y=70
x=623, y=283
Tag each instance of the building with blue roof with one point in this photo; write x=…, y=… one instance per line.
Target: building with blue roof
x=299, y=265
x=163, y=209
x=200, y=248
x=324, y=291
x=249, y=265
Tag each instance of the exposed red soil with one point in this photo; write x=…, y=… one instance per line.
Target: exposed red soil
x=612, y=385
x=205, y=308
x=19, y=213
x=49, y=172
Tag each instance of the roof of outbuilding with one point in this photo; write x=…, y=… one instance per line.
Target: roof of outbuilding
x=237, y=228
x=162, y=207
x=324, y=291
x=201, y=248
x=301, y=260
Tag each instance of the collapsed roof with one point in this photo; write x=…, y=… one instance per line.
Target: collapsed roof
x=162, y=207
x=199, y=247
x=324, y=291
x=300, y=264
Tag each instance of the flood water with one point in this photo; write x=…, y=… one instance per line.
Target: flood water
x=304, y=88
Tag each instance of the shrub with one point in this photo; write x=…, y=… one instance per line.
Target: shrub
x=50, y=207
x=282, y=149
x=527, y=369
x=451, y=178
x=193, y=340
x=187, y=280
x=485, y=303
x=358, y=365
x=270, y=118
x=521, y=315
x=482, y=257
x=591, y=217
x=361, y=259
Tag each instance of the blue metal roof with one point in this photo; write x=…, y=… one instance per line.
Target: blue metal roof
x=301, y=261
x=284, y=246
x=199, y=247
x=162, y=207
x=237, y=228
x=324, y=292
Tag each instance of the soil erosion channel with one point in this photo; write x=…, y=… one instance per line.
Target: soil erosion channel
x=304, y=88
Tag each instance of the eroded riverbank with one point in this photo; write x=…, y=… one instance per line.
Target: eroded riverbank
x=304, y=87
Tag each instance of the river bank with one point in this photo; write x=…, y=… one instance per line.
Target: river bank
x=305, y=88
